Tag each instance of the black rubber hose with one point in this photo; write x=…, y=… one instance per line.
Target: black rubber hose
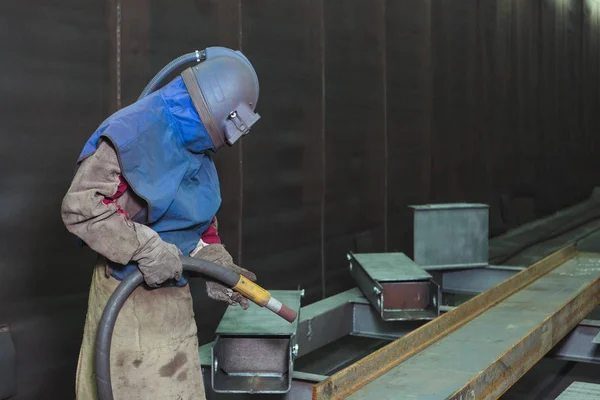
x=196, y=56
x=105, y=330
x=118, y=298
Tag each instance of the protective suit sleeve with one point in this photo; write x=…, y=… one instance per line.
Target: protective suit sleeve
x=102, y=225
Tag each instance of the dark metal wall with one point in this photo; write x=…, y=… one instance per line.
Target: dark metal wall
x=368, y=106
x=53, y=91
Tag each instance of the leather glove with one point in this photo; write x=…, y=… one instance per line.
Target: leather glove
x=217, y=254
x=160, y=263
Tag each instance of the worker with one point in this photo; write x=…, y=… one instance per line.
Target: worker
x=145, y=192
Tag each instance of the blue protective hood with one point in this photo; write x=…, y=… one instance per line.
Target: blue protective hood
x=162, y=147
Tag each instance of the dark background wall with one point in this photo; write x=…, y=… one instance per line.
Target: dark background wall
x=368, y=106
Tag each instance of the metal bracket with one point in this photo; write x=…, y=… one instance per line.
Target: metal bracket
x=397, y=287
x=254, y=349
x=451, y=236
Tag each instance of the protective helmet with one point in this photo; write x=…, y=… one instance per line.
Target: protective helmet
x=224, y=90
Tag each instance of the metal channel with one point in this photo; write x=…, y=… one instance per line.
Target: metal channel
x=325, y=321
x=366, y=322
x=254, y=349
x=579, y=345
x=370, y=288
x=360, y=374
x=396, y=286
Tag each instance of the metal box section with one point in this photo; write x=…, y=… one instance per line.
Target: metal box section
x=396, y=286
x=451, y=235
x=254, y=349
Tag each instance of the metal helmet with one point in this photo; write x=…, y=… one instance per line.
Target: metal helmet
x=224, y=90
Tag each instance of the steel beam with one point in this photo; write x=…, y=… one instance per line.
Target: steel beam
x=583, y=273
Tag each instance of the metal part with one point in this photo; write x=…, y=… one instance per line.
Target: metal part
x=323, y=322
x=301, y=388
x=529, y=313
x=581, y=391
x=390, y=267
x=445, y=309
x=580, y=344
x=8, y=364
x=476, y=280
x=397, y=287
x=326, y=321
x=350, y=313
x=367, y=322
x=451, y=235
x=253, y=350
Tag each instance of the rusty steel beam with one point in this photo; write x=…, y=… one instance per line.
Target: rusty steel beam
x=358, y=375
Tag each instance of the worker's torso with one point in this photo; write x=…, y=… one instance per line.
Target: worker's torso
x=171, y=179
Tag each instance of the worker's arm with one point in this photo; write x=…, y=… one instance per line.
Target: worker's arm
x=90, y=212
x=210, y=248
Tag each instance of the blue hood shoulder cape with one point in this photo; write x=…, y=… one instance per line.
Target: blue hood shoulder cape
x=162, y=146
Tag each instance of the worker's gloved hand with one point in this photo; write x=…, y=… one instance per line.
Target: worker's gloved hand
x=217, y=254
x=160, y=263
